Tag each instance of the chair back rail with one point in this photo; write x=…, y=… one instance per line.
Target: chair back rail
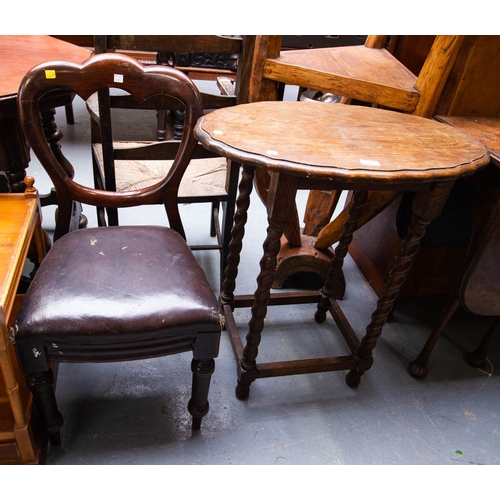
x=125, y=73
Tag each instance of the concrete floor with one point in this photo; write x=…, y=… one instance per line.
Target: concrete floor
x=135, y=412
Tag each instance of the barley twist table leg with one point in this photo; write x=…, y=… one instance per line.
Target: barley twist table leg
x=335, y=270
x=426, y=206
x=237, y=233
x=281, y=196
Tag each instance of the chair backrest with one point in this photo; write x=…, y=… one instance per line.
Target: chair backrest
x=435, y=71
x=106, y=71
x=417, y=94
x=201, y=57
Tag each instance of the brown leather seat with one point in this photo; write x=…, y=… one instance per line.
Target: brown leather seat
x=114, y=293
x=127, y=285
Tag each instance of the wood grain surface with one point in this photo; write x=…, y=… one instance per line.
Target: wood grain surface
x=347, y=143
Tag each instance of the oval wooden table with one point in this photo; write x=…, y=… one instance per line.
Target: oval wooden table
x=309, y=145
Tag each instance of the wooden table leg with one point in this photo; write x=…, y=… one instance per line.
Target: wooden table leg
x=426, y=206
x=14, y=154
x=282, y=192
x=418, y=367
x=237, y=233
x=227, y=299
x=335, y=275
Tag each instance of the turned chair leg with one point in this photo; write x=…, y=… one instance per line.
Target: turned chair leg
x=41, y=384
x=198, y=404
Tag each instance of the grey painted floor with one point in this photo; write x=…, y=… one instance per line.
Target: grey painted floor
x=135, y=413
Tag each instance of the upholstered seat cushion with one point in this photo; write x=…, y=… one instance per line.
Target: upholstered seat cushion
x=117, y=284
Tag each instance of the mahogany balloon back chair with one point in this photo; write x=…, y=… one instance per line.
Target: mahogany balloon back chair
x=114, y=293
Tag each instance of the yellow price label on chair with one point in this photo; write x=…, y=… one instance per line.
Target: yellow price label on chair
x=50, y=74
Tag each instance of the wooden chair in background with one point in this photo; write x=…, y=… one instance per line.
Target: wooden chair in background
x=114, y=293
x=366, y=73
x=122, y=165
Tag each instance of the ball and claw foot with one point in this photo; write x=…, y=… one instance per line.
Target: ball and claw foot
x=418, y=370
x=353, y=378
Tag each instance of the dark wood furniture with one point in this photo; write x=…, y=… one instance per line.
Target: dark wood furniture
x=20, y=225
x=478, y=285
x=114, y=293
x=320, y=41
x=309, y=145
x=18, y=54
x=366, y=73
x=199, y=56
